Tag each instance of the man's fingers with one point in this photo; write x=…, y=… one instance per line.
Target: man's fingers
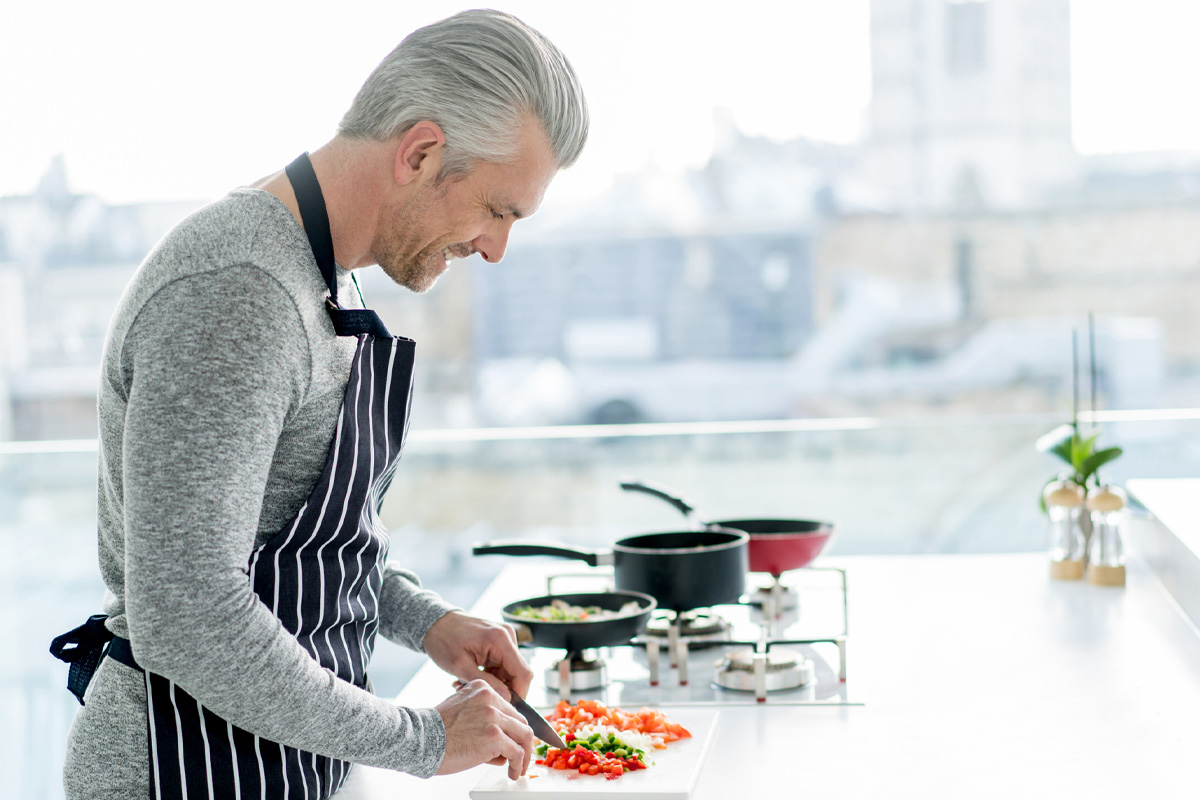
x=514, y=674
x=481, y=727
x=512, y=742
x=521, y=683
x=509, y=714
x=518, y=680
x=458, y=643
x=503, y=658
x=517, y=745
x=496, y=683
x=516, y=759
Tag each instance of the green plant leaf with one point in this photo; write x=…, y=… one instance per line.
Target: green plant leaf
x=1063, y=450
x=1047, y=443
x=1098, y=459
x=1081, y=450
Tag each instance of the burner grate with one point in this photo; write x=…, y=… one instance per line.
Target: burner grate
x=762, y=672
x=692, y=625
x=576, y=673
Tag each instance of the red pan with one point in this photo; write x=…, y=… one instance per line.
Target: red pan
x=776, y=545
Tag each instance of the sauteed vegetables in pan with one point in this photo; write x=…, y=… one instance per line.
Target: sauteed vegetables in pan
x=560, y=611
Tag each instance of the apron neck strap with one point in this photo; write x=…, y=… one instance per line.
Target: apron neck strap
x=316, y=220
x=346, y=321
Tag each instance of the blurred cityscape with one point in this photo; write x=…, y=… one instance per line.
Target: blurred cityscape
x=941, y=263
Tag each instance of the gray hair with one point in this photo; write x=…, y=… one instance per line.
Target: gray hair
x=477, y=74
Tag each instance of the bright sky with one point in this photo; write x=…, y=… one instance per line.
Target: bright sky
x=150, y=100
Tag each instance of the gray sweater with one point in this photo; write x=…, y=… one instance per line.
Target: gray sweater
x=219, y=395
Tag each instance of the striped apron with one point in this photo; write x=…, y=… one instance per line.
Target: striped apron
x=320, y=575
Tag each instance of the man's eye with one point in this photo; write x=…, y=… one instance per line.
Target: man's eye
x=497, y=214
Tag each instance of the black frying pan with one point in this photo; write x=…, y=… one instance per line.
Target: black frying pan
x=682, y=570
x=576, y=635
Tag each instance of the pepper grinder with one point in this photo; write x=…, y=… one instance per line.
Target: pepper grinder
x=1106, y=556
x=1065, y=504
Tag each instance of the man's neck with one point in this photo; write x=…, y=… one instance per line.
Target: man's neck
x=352, y=175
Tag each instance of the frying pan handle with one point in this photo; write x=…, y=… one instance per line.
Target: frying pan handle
x=593, y=558
x=663, y=493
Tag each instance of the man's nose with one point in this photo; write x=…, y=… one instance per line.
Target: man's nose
x=492, y=244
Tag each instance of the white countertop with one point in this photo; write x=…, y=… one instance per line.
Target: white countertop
x=1176, y=503
x=981, y=678
x=1169, y=541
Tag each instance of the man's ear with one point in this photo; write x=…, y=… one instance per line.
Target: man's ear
x=419, y=153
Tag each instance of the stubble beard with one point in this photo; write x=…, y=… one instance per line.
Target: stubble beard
x=417, y=273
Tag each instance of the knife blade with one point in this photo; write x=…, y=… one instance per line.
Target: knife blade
x=541, y=728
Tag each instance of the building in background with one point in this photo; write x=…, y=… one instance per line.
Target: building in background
x=64, y=261
x=632, y=327
x=971, y=103
x=941, y=264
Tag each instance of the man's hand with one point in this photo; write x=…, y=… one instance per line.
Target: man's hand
x=461, y=645
x=481, y=727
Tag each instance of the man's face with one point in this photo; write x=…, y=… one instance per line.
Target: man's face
x=462, y=216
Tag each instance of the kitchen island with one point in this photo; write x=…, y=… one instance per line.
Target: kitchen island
x=980, y=677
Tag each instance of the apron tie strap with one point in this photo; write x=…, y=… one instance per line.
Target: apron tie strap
x=346, y=321
x=82, y=648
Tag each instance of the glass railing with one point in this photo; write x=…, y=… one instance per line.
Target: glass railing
x=950, y=485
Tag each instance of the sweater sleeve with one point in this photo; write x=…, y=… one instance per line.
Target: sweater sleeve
x=211, y=383
x=406, y=611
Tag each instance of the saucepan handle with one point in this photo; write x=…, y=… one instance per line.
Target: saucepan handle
x=662, y=493
x=593, y=558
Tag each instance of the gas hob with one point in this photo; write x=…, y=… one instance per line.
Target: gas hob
x=784, y=644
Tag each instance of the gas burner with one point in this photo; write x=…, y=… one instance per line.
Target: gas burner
x=576, y=673
x=780, y=597
x=774, y=608
x=681, y=633
x=691, y=626
x=777, y=670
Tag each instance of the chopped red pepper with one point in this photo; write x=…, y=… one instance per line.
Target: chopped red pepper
x=584, y=760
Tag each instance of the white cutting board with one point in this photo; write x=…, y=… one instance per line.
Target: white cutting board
x=671, y=776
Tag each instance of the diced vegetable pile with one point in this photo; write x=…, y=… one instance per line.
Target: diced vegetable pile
x=606, y=741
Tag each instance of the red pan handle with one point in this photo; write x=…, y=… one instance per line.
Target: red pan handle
x=662, y=493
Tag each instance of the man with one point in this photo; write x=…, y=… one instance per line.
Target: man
x=251, y=416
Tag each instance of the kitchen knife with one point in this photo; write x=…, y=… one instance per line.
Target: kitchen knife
x=541, y=728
